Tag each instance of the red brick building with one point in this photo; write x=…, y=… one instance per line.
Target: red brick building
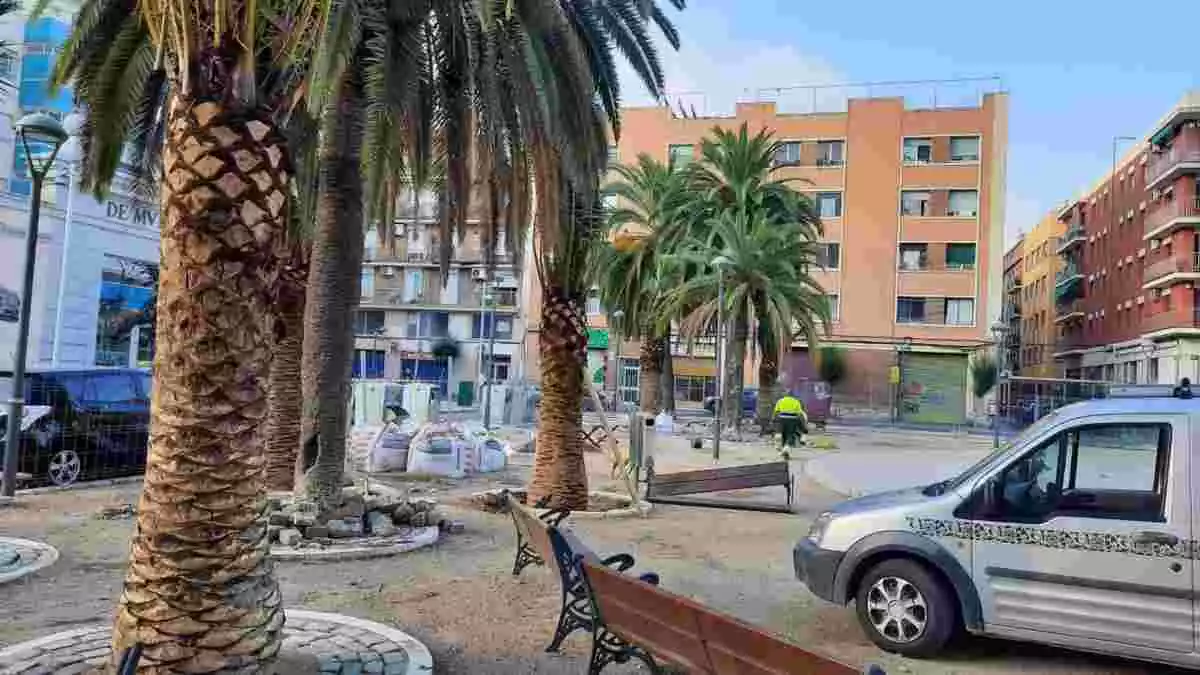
x=1126, y=296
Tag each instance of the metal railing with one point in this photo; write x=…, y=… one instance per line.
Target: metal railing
x=1183, y=262
x=1186, y=148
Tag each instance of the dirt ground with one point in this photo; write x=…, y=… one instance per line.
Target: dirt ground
x=461, y=599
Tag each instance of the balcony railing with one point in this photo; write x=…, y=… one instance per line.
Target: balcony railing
x=1185, y=262
x=1186, y=148
x=1069, y=311
x=1164, y=213
x=1067, y=274
x=1075, y=234
x=1169, y=319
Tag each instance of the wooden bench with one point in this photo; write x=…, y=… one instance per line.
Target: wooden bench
x=666, y=488
x=540, y=541
x=633, y=618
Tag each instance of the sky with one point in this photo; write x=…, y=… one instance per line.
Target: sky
x=1078, y=73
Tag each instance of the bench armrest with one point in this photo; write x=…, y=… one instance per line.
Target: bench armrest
x=554, y=516
x=622, y=561
x=874, y=670
x=650, y=578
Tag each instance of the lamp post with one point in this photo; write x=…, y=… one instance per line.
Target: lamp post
x=71, y=153
x=999, y=330
x=489, y=300
x=618, y=316
x=43, y=133
x=720, y=263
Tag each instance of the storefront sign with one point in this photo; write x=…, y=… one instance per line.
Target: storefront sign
x=133, y=213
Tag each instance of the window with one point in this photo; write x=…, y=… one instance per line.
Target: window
x=694, y=388
x=428, y=324
x=913, y=203
x=960, y=256
x=964, y=149
x=481, y=326
x=960, y=311
x=124, y=326
x=914, y=256
x=607, y=202
x=1099, y=471
x=366, y=283
x=829, y=204
x=414, y=283
x=910, y=310
x=368, y=363
x=1130, y=369
x=368, y=322
x=918, y=151
x=8, y=63
x=829, y=255
x=787, y=153
x=835, y=307
x=963, y=203
x=501, y=368
x=679, y=154
x=593, y=303
x=1152, y=365
x=830, y=153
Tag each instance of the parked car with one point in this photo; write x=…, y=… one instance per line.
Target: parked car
x=1078, y=534
x=81, y=423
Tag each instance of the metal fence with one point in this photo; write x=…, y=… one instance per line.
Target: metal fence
x=58, y=449
x=1021, y=401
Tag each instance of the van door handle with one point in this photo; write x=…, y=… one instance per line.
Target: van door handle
x=1150, y=537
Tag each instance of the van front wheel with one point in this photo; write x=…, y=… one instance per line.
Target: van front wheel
x=904, y=608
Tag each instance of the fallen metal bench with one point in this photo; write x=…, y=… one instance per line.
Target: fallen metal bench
x=634, y=618
x=540, y=541
x=666, y=488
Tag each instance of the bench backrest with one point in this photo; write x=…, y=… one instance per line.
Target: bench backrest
x=662, y=623
x=715, y=480
x=736, y=648
x=532, y=528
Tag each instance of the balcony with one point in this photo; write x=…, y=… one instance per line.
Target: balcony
x=1166, y=217
x=1180, y=267
x=1074, y=236
x=1169, y=321
x=1070, y=344
x=1068, y=283
x=1182, y=157
x=1068, y=312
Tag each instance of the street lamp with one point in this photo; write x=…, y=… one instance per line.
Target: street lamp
x=489, y=301
x=720, y=264
x=71, y=153
x=44, y=134
x=999, y=330
x=618, y=316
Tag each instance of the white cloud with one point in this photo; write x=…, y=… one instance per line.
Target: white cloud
x=712, y=70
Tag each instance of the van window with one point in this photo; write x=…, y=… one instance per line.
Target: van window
x=1112, y=471
x=111, y=388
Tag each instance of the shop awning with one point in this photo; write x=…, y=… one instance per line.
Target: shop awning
x=597, y=338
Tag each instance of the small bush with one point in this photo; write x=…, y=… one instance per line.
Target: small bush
x=831, y=364
x=983, y=375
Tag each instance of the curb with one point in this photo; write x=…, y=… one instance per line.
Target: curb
x=422, y=538
x=81, y=485
x=48, y=558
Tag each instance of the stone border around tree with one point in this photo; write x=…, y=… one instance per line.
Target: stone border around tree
x=360, y=549
x=492, y=501
x=341, y=644
x=34, y=556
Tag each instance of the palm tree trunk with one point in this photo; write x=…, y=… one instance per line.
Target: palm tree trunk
x=333, y=293
x=734, y=370
x=667, y=394
x=559, y=473
x=283, y=389
x=650, y=358
x=768, y=390
x=200, y=593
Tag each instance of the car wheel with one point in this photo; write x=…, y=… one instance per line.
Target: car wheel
x=904, y=608
x=64, y=467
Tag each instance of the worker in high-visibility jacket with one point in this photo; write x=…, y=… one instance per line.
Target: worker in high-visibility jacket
x=793, y=420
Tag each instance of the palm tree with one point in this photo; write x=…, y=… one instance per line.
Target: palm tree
x=652, y=198
x=516, y=92
x=767, y=279
x=737, y=174
x=216, y=82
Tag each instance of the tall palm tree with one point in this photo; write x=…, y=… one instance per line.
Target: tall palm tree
x=517, y=93
x=737, y=174
x=767, y=279
x=652, y=197
x=217, y=83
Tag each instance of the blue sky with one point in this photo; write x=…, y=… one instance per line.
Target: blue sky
x=1078, y=73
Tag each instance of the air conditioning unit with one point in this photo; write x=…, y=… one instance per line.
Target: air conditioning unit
x=479, y=274
x=389, y=271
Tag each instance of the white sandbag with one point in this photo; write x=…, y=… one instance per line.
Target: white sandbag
x=390, y=450
x=664, y=423
x=490, y=455
x=437, y=449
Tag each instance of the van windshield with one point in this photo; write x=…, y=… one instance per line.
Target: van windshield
x=970, y=473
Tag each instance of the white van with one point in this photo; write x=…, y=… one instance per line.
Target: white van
x=1077, y=534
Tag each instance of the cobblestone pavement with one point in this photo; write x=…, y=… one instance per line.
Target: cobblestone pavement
x=327, y=643
x=19, y=557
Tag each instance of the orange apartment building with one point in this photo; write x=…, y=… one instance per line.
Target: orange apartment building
x=1031, y=266
x=912, y=202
